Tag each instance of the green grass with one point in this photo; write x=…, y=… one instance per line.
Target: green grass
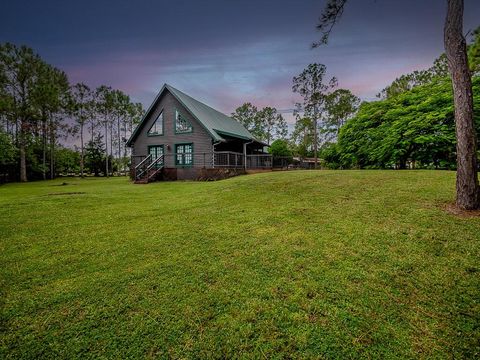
x=301, y=264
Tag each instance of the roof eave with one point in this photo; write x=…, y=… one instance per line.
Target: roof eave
x=137, y=129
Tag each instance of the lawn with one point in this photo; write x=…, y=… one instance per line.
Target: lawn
x=300, y=264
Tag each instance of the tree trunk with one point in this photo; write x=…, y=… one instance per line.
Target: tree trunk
x=82, y=151
x=125, y=149
x=44, y=149
x=52, y=151
x=119, y=144
x=111, y=147
x=468, y=191
x=106, y=149
x=23, y=162
x=315, y=141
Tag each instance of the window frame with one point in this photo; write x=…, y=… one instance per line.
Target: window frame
x=177, y=114
x=163, y=125
x=163, y=153
x=183, y=165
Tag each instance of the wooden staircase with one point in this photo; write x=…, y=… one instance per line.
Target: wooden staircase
x=148, y=170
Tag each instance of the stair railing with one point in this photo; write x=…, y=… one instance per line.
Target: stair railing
x=158, y=160
x=140, y=168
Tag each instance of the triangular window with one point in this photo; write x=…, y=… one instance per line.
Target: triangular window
x=157, y=127
x=182, y=125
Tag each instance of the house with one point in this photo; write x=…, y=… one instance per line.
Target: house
x=180, y=137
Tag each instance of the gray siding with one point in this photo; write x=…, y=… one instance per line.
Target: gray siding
x=201, y=139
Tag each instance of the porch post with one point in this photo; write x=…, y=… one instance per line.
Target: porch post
x=245, y=155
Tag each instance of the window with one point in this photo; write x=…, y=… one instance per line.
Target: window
x=184, y=154
x=156, y=151
x=182, y=125
x=157, y=127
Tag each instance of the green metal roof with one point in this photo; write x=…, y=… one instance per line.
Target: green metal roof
x=215, y=122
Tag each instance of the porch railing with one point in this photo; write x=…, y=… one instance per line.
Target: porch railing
x=229, y=159
x=219, y=159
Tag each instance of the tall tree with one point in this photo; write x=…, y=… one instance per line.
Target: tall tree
x=467, y=186
x=303, y=136
x=468, y=190
x=247, y=115
x=311, y=87
x=105, y=107
x=19, y=73
x=340, y=105
x=82, y=98
x=94, y=154
x=272, y=124
x=52, y=102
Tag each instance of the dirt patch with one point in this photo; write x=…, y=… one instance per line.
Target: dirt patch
x=67, y=193
x=453, y=210
x=63, y=184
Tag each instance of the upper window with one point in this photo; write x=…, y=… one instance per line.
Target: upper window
x=157, y=127
x=182, y=125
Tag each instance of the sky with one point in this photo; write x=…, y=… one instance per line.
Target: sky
x=227, y=52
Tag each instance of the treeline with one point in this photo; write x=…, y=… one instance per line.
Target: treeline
x=323, y=111
x=415, y=129
x=40, y=110
x=413, y=126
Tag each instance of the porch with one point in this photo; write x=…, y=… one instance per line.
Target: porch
x=201, y=166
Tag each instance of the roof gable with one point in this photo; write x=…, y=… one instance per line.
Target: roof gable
x=215, y=122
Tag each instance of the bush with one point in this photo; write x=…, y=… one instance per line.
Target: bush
x=280, y=148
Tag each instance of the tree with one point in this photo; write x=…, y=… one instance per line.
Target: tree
x=468, y=189
x=467, y=186
x=19, y=72
x=280, y=147
x=309, y=84
x=105, y=107
x=68, y=160
x=82, y=98
x=264, y=124
x=94, y=155
x=340, y=106
x=247, y=115
x=52, y=101
x=8, y=151
x=416, y=127
x=406, y=82
x=272, y=124
x=303, y=137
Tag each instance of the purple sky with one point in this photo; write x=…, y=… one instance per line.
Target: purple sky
x=227, y=52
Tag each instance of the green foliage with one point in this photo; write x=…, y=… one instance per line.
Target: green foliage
x=95, y=155
x=303, y=136
x=8, y=151
x=474, y=53
x=416, y=127
x=439, y=70
x=340, y=105
x=247, y=115
x=272, y=123
x=280, y=265
x=68, y=161
x=280, y=147
x=264, y=124
x=331, y=156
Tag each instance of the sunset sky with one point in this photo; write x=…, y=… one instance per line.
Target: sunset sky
x=227, y=52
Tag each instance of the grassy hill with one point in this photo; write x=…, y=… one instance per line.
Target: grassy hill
x=288, y=264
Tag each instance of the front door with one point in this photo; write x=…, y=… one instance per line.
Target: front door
x=156, y=151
